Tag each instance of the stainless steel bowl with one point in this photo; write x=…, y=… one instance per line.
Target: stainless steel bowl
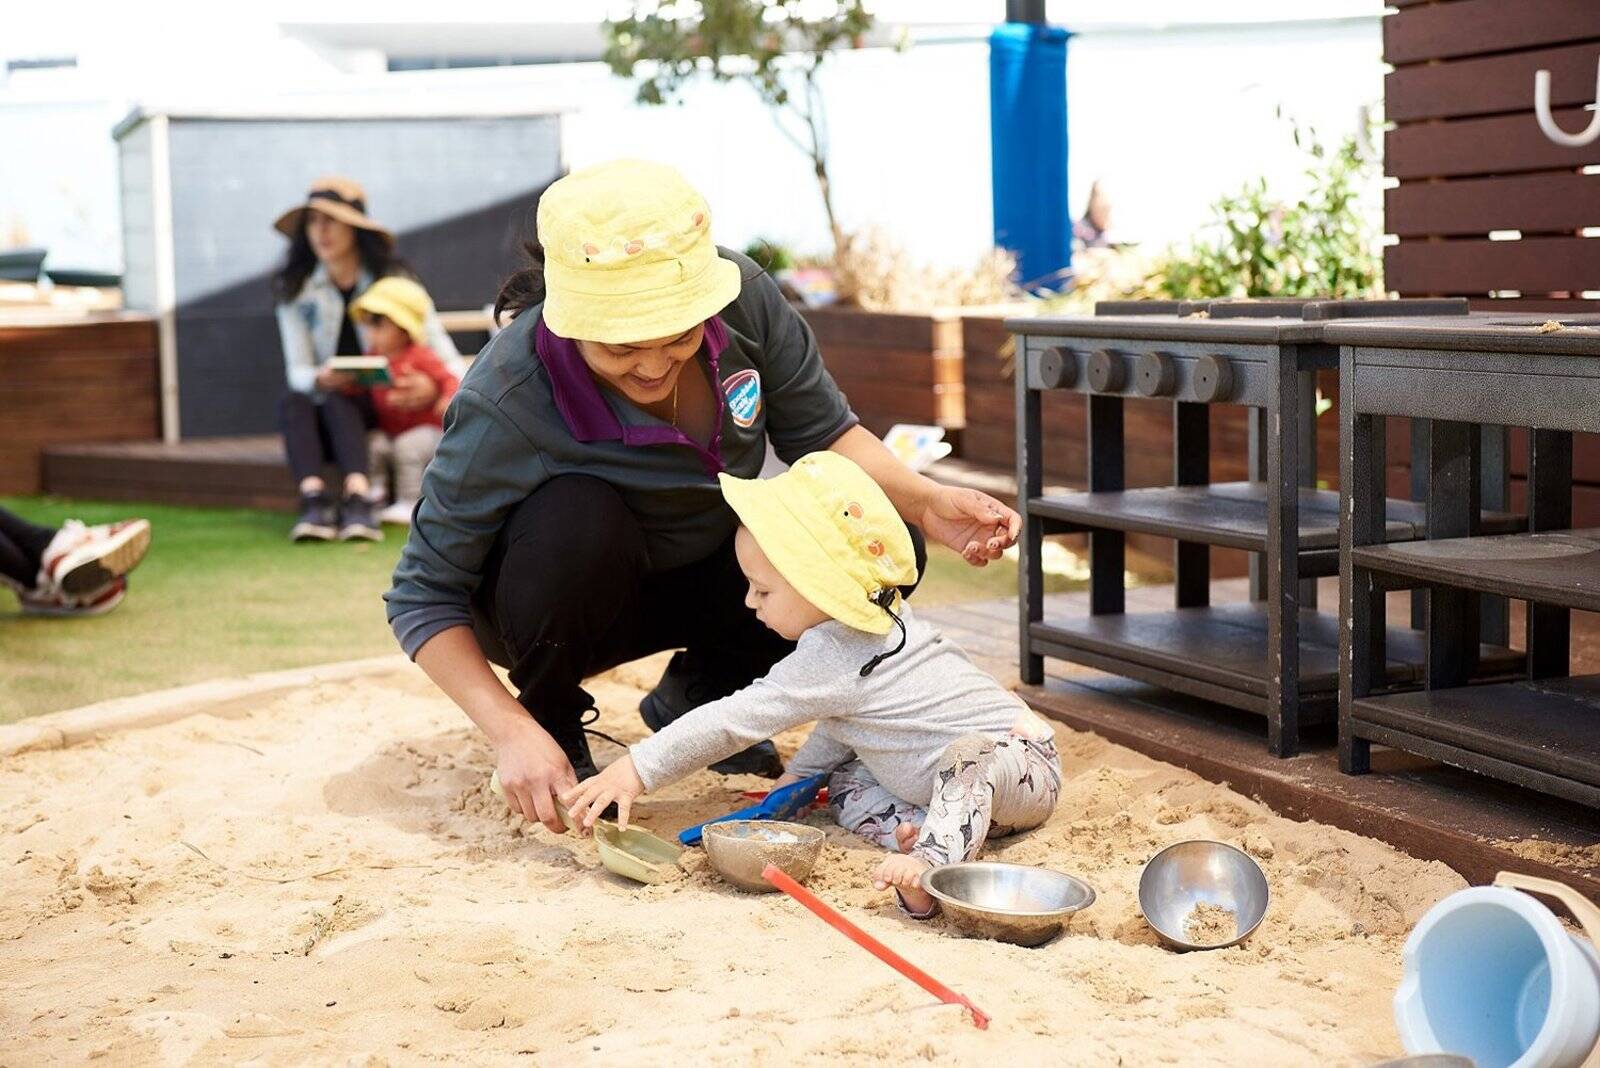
x=740, y=850
x=1007, y=902
x=1188, y=874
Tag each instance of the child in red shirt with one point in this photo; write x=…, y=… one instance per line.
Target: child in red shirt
x=391, y=312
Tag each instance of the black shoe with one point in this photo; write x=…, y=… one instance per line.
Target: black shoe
x=356, y=520
x=683, y=688
x=318, y=519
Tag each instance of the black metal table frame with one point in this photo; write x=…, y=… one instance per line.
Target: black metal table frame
x=1278, y=380
x=1554, y=395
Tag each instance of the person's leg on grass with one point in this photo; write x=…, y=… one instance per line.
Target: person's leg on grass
x=22, y=546
x=380, y=464
x=307, y=452
x=74, y=564
x=347, y=418
x=559, y=601
x=412, y=451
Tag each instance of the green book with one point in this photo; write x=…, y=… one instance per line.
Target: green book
x=369, y=371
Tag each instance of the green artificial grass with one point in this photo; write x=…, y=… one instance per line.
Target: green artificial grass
x=223, y=592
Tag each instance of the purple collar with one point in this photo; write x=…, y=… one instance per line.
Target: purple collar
x=589, y=417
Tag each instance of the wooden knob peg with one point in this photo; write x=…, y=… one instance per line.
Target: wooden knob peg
x=1106, y=371
x=1213, y=379
x=1155, y=374
x=1058, y=368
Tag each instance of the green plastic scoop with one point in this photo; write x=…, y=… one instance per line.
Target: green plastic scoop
x=632, y=854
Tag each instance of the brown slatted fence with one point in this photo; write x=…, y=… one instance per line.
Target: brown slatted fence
x=1467, y=159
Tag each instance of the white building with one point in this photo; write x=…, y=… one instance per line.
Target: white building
x=1170, y=104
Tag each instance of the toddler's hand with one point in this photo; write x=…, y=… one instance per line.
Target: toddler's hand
x=620, y=783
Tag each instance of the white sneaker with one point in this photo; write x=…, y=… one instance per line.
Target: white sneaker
x=81, y=562
x=398, y=513
x=58, y=604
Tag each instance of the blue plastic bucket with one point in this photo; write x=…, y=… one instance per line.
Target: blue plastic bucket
x=1490, y=973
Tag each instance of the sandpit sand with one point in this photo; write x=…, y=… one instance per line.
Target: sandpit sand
x=324, y=877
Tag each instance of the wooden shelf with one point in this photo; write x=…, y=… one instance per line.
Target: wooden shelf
x=1543, y=734
x=1559, y=568
x=1220, y=652
x=1232, y=514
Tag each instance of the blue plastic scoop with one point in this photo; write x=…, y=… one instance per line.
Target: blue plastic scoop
x=781, y=804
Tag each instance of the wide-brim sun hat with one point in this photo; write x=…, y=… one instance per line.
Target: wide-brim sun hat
x=629, y=256
x=400, y=300
x=831, y=532
x=338, y=198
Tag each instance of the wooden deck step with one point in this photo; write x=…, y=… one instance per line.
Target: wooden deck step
x=236, y=472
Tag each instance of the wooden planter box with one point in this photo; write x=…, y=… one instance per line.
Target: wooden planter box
x=894, y=368
x=73, y=378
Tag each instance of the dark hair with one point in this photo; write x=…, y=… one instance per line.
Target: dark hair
x=525, y=288
x=377, y=256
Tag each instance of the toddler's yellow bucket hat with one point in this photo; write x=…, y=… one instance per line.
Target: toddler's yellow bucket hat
x=400, y=300
x=628, y=255
x=831, y=532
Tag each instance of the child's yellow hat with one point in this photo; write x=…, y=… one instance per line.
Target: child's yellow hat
x=401, y=301
x=628, y=255
x=831, y=532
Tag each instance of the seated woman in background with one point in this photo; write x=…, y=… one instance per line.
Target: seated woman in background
x=335, y=253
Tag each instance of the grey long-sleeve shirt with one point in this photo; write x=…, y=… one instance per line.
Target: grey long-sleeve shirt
x=898, y=720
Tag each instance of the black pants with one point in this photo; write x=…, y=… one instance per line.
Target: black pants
x=332, y=429
x=22, y=546
x=567, y=593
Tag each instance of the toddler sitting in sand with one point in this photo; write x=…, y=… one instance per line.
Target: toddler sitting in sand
x=928, y=755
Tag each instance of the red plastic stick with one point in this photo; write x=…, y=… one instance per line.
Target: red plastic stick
x=831, y=917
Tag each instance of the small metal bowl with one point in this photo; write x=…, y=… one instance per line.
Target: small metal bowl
x=740, y=849
x=1014, y=903
x=1193, y=873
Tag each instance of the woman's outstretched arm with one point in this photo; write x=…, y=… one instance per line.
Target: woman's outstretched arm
x=974, y=524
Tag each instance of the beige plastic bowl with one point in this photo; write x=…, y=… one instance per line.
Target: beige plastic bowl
x=740, y=849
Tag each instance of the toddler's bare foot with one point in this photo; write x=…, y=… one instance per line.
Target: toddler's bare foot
x=902, y=871
x=905, y=836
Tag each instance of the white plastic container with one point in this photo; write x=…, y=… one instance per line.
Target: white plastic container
x=1491, y=974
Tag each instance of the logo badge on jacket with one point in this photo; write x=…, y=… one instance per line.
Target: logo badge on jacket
x=743, y=391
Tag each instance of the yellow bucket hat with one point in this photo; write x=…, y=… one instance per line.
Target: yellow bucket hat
x=832, y=534
x=628, y=255
x=401, y=301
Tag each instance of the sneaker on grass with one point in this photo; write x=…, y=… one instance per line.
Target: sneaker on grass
x=398, y=513
x=318, y=519
x=58, y=604
x=356, y=521
x=81, y=562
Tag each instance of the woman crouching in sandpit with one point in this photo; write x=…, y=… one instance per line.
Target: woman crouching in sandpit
x=571, y=519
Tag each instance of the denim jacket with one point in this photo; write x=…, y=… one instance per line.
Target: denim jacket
x=309, y=328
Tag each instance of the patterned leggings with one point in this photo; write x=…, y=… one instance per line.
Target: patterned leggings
x=985, y=787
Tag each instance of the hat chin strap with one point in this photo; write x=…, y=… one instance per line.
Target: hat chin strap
x=884, y=599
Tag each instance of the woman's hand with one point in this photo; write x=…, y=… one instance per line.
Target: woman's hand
x=413, y=391
x=533, y=771
x=335, y=381
x=620, y=783
x=974, y=524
